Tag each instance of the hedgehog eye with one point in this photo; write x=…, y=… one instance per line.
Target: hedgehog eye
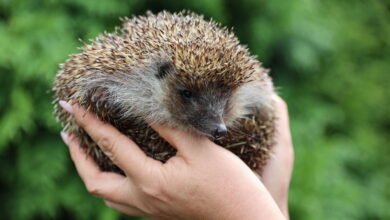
x=186, y=94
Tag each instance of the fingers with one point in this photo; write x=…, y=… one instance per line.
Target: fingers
x=276, y=174
x=105, y=185
x=85, y=166
x=120, y=149
x=283, y=134
x=125, y=209
x=283, y=149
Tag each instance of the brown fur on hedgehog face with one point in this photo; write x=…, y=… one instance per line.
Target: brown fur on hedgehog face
x=184, y=100
x=201, y=107
x=195, y=101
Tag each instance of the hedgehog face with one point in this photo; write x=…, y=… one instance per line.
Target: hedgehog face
x=201, y=108
x=194, y=104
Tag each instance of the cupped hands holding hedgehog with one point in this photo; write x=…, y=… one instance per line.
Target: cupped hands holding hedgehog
x=177, y=70
x=194, y=78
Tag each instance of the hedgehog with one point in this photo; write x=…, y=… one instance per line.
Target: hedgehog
x=178, y=70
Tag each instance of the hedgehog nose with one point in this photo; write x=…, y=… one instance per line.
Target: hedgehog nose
x=220, y=130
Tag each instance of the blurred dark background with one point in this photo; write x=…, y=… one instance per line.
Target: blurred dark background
x=329, y=59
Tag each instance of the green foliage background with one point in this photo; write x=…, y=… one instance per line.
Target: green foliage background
x=330, y=59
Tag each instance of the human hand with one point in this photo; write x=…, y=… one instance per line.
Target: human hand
x=276, y=174
x=203, y=180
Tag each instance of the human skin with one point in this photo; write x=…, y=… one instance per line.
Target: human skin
x=203, y=180
x=276, y=175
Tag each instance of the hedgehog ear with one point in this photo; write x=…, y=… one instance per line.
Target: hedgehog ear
x=165, y=68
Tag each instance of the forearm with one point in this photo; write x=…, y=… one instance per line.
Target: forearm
x=255, y=205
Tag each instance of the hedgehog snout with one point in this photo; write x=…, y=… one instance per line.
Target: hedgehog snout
x=219, y=130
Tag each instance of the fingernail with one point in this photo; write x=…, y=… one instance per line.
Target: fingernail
x=65, y=137
x=66, y=106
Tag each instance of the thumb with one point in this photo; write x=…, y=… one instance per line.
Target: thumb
x=185, y=143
